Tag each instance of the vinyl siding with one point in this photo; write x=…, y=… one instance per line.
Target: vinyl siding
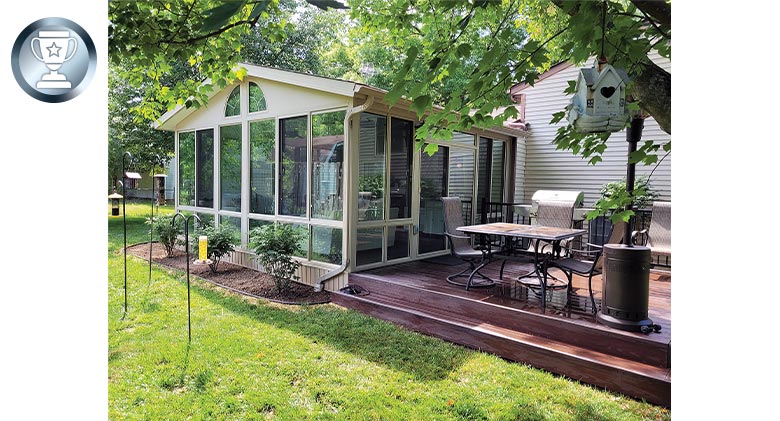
x=541, y=167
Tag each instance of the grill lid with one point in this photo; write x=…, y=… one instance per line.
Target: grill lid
x=577, y=197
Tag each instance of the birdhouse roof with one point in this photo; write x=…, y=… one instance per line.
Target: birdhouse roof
x=115, y=196
x=591, y=75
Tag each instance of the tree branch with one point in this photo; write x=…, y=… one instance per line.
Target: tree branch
x=660, y=11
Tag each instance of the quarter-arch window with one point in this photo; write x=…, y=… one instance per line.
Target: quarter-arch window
x=256, y=98
x=233, y=106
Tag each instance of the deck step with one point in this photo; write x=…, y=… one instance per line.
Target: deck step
x=499, y=313
x=632, y=378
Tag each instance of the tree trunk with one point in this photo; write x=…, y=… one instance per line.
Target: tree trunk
x=652, y=87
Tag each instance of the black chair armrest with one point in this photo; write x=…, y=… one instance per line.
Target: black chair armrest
x=634, y=234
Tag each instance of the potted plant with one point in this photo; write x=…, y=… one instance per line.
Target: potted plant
x=614, y=199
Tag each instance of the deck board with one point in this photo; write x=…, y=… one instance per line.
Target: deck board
x=502, y=320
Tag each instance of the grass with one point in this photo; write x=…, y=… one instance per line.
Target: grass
x=257, y=360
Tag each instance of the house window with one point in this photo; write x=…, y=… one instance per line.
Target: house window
x=326, y=244
x=187, y=169
x=461, y=179
x=230, y=167
x=491, y=171
x=262, y=167
x=294, y=159
x=371, y=174
x=401, y=138
x=327, y=165
x=304, y=244
x=256, y=98
x=232, y=223
x=204, y=168
x=233, y=106
x=369, y=245
x=433, y=186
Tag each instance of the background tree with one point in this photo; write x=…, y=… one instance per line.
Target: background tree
x=484, y=42
x=150, y=148
x=152, y=37
x=441, y=36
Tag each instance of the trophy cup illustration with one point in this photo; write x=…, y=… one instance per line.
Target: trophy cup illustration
x=54, y=47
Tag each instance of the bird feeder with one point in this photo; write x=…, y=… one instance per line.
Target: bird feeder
x=131, y=178
x=203, y=254
x=159, y=182
x=599, y=101
x=115, y=202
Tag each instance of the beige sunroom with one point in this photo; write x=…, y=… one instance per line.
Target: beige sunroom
x=332, y=159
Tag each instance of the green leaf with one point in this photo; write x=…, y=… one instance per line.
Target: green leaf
x=219, y=16
x=434, y=63
x=571, y=87
x=463, y=50
x=259, y=8
x=431, y=148
x=623, y=215
x=421, y=104
x=325, y=4
x=411, y=56
x=394, y=95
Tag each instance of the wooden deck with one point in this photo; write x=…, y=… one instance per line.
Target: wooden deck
x=508, y=321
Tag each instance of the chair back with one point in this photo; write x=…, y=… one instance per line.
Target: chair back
x=659, y=235
x=555, y=214
x=616, y=237
x=453, y=218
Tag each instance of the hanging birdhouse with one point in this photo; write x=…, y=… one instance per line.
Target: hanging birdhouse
x=599, y=103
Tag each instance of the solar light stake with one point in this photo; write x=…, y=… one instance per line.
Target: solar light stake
x=126, y=176
x=151, y=230
x=187, y=251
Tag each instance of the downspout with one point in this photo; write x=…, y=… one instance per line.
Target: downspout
x=319, y=283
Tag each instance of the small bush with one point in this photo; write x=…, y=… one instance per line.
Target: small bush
x=166, y=232
x=275, y=246
x=221, y=241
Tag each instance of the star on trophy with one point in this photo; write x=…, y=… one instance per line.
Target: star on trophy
x=53, y=47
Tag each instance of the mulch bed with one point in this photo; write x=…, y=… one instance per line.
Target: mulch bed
x=233, y=277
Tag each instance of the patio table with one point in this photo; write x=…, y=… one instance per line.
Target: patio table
x=553, y=235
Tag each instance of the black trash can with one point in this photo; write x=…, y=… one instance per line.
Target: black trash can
x=626, y=287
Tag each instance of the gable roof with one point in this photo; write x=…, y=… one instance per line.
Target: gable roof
x=330, y=85
x=170, y=119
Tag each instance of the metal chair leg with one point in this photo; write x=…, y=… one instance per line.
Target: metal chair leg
x=471, y=277
x=590, y=291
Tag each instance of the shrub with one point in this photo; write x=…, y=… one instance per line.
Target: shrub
x=166, y=232
x=221, y=241
x=275, y=246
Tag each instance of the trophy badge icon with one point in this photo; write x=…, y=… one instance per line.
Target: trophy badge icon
x=55, y=49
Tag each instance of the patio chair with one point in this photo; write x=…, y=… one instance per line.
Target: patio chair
x=460, y=247
x=659, y=235
x=551, y=214
x=589, y=262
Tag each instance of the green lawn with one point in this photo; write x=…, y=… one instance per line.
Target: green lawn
x=257, y=360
